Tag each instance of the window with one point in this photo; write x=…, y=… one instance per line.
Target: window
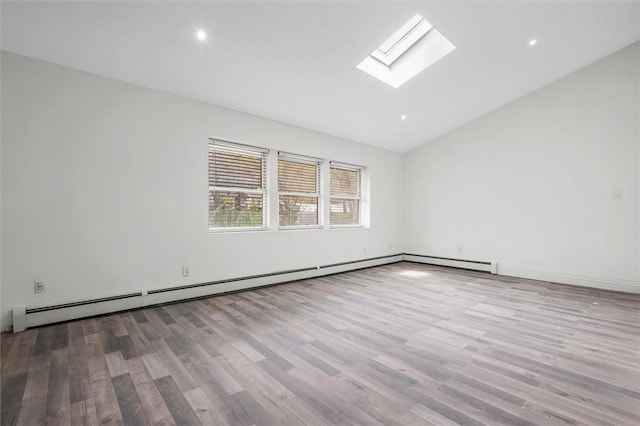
x=252, y=188
x=237, y=186
x=298, y=190
x=345, y=184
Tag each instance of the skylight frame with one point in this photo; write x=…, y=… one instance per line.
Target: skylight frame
x=402, y=40
x=409, y=51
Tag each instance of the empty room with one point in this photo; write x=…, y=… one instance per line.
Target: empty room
x=320, y=213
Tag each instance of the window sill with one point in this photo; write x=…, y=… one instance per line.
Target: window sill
x=299, y=228
x=283, y=228
x=235, y=230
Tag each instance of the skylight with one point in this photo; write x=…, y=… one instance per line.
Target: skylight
x=403, y=39
x=410, y=50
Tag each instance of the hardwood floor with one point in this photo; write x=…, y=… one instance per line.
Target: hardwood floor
x=399, y=344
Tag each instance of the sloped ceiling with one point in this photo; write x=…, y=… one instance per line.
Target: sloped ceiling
x=295, y=62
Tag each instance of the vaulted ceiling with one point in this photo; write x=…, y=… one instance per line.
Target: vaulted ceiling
x=295, y=62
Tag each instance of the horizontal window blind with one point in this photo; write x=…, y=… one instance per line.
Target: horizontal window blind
x=298, y=190
x=344, y=194
x=237, y=185
x=235, y=170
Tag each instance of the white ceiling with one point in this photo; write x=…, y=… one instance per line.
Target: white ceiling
x=295, y=62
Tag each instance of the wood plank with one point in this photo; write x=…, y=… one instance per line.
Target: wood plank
x=12, y=394
x=128, y=400
x=176, y=403
x=104, y=397
x=58, y=395
x=204, y=408
x=84, y=413
x=32, y=412
x=79, y=385
x=116, y=364
x=156, y=410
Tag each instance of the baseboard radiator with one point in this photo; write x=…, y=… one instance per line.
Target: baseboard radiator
x=475, y=265
x=25, y=317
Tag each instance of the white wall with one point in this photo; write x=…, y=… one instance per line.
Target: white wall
x=530, y=185
x=104, y=190
x=1, y=319
x=104, y=187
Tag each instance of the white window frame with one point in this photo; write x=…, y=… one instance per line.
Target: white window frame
x=318, y=162
x=263, y=153
x=358, y=196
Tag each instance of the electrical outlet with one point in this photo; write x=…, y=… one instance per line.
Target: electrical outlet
x=617, y=194
x=186, y=271
x=38, y=287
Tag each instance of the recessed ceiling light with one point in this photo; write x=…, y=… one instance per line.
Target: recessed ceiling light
x=532, y=42
x=201, y=35
x=403, y=117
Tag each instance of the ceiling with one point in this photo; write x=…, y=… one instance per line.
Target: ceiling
x=295, y=62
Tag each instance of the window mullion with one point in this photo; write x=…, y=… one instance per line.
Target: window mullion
x=325, y=194
x=273, y=199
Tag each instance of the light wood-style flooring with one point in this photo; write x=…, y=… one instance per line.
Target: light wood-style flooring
x=402, y=344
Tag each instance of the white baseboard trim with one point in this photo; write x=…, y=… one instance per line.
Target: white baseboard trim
x=20, y=317
x=36, y=316
x=75, y=311
x=455, y=263
x=170, y=295
x=626, y=286
x=31, y=317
